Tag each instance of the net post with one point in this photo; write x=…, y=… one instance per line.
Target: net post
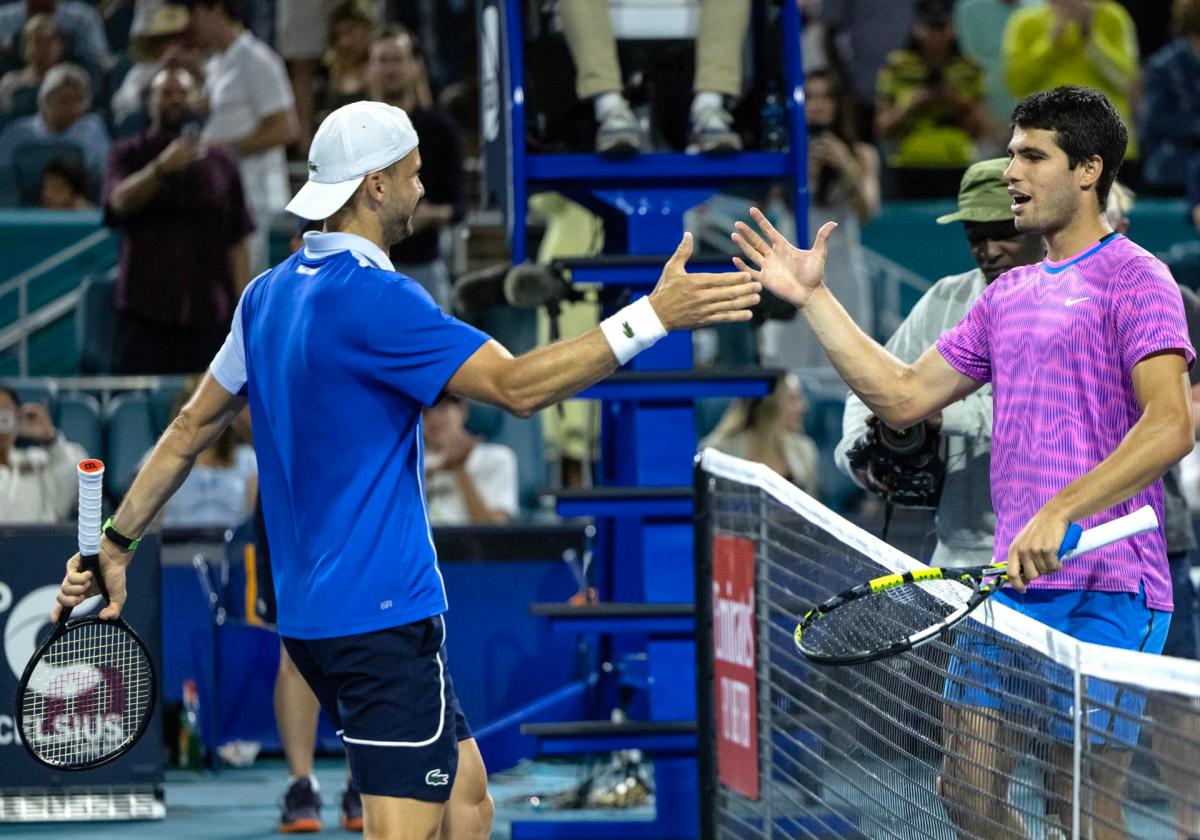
x=1077, y=759
x=706, y=736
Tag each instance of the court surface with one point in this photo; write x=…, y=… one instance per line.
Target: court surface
x=244, y=804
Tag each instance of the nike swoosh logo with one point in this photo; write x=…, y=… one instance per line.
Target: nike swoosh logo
x=1073, y=301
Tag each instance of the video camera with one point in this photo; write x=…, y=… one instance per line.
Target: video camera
x=906, y=467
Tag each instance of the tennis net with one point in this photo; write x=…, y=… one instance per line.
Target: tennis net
x=1004, y=728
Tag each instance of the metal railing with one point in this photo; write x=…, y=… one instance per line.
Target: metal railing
x=17, y=334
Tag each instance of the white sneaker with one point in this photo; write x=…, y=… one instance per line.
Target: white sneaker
x=619, y=134
x=713, y=134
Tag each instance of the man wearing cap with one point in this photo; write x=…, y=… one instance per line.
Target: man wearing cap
x=965, y=520
x=336, y=355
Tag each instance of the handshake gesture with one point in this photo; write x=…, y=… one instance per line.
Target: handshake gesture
x=684, y=300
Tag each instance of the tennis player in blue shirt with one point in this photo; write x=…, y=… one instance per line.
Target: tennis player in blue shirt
x=336, y=354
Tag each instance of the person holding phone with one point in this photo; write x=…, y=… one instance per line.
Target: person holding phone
x=168, y=194
x=37, y=479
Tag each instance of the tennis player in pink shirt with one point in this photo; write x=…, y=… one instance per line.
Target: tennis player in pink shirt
x=1088, y=356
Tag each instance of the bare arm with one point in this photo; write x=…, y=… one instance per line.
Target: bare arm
x=478, y=510
x=898, y=393
x=201, y=421
x=278, y=129
x=1162, y=436
x=135, y=191
x=549, y=374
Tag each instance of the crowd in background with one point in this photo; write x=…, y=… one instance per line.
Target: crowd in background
x=187, y=123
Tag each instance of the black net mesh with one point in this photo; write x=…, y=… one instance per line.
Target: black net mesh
x=974, y=735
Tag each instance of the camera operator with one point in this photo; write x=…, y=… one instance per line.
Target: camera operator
x=943, y=463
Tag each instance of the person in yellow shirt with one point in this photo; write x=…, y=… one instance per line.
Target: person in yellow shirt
x=1074, y=42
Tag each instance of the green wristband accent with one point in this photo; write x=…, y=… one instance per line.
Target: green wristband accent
x=117, y=538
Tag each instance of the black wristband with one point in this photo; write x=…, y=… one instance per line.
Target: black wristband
x=118, y=539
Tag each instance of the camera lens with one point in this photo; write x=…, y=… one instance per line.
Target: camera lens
x=903, y=442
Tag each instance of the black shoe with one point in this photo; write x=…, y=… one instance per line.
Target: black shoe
x=351, y=809
x=301, y=809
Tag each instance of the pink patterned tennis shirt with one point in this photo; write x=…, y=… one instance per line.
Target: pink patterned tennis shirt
x=1059, y=341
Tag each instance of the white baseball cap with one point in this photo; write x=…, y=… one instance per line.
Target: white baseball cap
x=352, y=142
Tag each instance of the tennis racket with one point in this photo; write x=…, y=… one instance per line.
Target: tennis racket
x=88, y=693
x=895, y=613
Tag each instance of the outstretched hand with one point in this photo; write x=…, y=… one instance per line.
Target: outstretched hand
x=686, y=301
x=788, y=272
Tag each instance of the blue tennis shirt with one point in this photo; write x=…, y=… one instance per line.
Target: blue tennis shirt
x=337, y=354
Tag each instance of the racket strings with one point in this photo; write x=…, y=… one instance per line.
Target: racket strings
x=882, y=619
x=87, y=696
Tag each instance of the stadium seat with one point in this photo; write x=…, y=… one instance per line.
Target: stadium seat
x=130, y=432
x=29, y=162
x=95, y=332
x=523, y=437
x=24, y=103
x=78, y=416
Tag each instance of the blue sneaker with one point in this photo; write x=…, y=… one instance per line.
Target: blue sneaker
x=352, y=813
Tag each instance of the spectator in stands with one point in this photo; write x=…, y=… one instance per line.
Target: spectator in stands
x=184, y=221
x=843, y=178
x=1074, y=42
x=351, y=24
x=79, y=21
x=221, y=490
x=156, y=37
x=860, y=35
x=467, y=481
x=62, y=120
x=64, y=185
x=980, y=27
x=929, y=107
x=251, y=111
x=770, y=430
x=42, y=47
x=301, y=36
x=1169, y=117
x=1193, y=190
x=965, y=519
x=397, y=75
x=37, y=480
x=723, y=25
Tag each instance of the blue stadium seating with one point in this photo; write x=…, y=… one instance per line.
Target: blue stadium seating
x=95, y=327
x=129, y=422
x=78, y=416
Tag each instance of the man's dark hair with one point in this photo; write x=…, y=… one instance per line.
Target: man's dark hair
x=235, y=9
x=71, y=170
x=1085, y=125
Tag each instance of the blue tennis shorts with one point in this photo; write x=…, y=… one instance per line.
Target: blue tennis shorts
x=391, y=700
x=1008, y=678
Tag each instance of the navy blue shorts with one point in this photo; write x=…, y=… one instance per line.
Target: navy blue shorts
x=391, y=700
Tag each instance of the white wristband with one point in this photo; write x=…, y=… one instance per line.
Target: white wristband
x=632, y=329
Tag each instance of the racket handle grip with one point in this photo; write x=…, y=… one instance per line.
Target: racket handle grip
x=1142, y=519
x=1071, y=540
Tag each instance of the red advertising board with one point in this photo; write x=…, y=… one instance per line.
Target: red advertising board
x=734, y=664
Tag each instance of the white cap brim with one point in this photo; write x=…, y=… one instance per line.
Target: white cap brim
x=320, y=201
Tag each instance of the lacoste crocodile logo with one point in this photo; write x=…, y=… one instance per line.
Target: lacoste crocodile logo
x=628, y=330
x=436, y=778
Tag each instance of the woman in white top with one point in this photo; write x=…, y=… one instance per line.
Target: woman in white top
x=220, y=490
x=770, y=430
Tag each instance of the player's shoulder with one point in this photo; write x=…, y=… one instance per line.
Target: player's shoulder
x=1125, y=257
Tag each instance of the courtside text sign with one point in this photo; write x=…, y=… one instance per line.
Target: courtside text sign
x=734, y=664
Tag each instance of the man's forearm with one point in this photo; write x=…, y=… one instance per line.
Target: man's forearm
x=879, y=379
x=275, y=130
x=133, y=193
x=157, y=480
x=550, y=374
x=1151, y=447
